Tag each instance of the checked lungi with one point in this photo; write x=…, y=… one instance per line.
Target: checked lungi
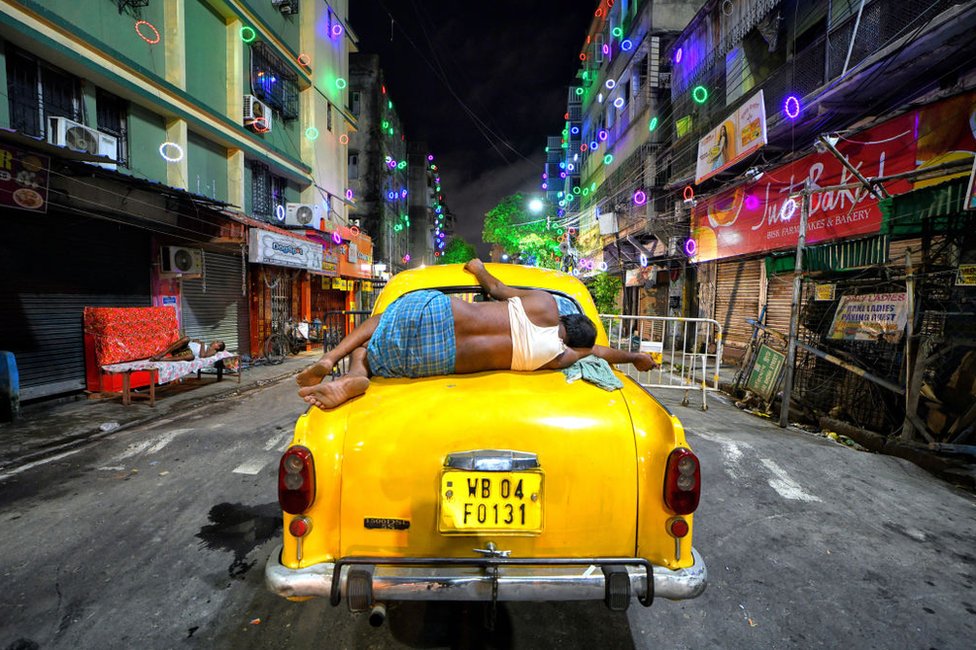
x=414, y=338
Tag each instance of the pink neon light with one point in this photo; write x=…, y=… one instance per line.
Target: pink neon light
x=260, y=125
x=336, y=237
x=691, y=247
x=689, y=193
x=640, y=198
x=343, y=139
x=336, y=30
x=752, y=202
x=349, y=194
x=354, y=230
x=304, y=59
x=139, y=24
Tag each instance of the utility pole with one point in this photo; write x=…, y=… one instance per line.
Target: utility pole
x=784, y=413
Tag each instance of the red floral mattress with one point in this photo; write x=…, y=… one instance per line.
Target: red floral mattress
x=124, y=334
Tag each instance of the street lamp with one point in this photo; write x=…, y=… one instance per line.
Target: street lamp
x=535, y=206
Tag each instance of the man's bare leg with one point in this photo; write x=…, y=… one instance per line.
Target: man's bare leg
x=330, y=394
x=315, y=373
x=176, y=345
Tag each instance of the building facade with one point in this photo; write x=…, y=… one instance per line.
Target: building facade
x=153, y=179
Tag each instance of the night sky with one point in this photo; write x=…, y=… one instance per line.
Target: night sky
x=510, y=63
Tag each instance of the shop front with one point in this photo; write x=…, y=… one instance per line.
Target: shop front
x=282, y=272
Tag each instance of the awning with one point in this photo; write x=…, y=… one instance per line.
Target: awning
x=936, y=209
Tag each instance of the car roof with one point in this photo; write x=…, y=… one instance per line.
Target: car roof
x=453, y=276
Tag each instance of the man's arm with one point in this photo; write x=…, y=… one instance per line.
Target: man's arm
x=641, y=361
x=495, y=287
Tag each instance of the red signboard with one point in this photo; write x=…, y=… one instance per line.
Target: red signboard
x=764, y=215
x=23, y=179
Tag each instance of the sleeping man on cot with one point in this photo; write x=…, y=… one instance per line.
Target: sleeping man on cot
x=425, y=333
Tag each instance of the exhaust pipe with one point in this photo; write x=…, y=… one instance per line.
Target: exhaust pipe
x=377, y=615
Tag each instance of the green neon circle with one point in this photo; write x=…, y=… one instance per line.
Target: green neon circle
x=402, y=164
x=253, y=34
x=570, y=198
x=652, y=124
x=311, y=133
x=607, y=159
x=576, y=190
x=617, y=32
x=579, y=91
x=586, y=191
x=341, y=83
x=559, y=231
x=386, y=124
x=700, y=94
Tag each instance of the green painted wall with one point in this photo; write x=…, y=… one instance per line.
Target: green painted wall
x=101, y=22
x=207, y=166
x=248, y=191
x=146, y=132
x=286, y=28
x=206, y=56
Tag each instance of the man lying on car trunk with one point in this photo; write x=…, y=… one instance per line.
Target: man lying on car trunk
x=425, y=333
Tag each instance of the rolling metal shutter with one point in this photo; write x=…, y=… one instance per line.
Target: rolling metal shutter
x=52, y=267
x=212, y=305
x=736, y=299
x=779, y=297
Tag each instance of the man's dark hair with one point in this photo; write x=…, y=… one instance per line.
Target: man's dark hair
x=580, y=331
x=221, y=346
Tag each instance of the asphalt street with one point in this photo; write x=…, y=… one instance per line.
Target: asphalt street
x=156, y=537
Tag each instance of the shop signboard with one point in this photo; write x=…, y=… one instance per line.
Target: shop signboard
x=741, y=134
x=23, y=179
x=765, y=372
x=825, y=292
x=355, y=258
x=764, y=215
x=266, y=247
x=966, y=276
x=870, y=317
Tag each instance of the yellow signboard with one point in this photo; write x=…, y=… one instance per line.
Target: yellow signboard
x=825, y=292
x=966, y=276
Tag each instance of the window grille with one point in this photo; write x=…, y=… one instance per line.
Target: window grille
x=355, y=101
x=112, y=114
x=36, y=91
x=353, y=166
x=273, y=82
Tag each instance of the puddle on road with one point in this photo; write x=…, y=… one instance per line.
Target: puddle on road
x=239, y=528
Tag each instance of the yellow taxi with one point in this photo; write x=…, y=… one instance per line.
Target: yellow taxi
x=493, y=486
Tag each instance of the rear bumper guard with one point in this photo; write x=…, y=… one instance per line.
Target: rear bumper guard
x=485, y=579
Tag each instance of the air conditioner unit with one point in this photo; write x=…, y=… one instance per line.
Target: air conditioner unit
x=257, y=114
x=185, y=261
x=303, y=215
x=78, y=137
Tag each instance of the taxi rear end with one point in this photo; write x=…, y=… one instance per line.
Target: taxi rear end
x=490, y=486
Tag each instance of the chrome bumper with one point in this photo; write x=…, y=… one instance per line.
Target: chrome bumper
x=503, y=580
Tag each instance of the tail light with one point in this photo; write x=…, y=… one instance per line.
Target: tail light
x=296, y=480
x=682, y=482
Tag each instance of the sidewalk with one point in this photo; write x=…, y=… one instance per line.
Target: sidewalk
x=46, y=429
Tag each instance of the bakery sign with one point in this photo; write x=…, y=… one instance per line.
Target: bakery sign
x=266, y=247
x=23, y=179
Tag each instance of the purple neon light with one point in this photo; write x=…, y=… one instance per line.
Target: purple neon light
x=640, y=198
x=336, y=237
x=602, y=135
x=791, y=107
x=691, y=247
x=678, y=54
x=752, y=202
x=349, y=194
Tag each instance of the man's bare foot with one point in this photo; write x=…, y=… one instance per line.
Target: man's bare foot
x=330, y=394
x=315, y=373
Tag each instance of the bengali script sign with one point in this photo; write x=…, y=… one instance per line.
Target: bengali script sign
x=23, y=179
x=735, y=138
x=870, y=317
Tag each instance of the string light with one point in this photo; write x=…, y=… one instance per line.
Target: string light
x=699, y=94
x=691, y=247
x=610, y=84
x=349, y=194
x=791, y=107
x=678, y=54
x=602, y=135
x=343, y=139
x=618, y=102
x=146, y=23
x=312, y=133
x=626, y=45
x=304, y=60
x=341, y=83
x=607, y=159
x=788, y=210
x=752, y=202
x=163, y=148
x=336, y=30
x=280, y=212
x=248, y=34
x=640, y=197
x=336, y=237
x=689, y=193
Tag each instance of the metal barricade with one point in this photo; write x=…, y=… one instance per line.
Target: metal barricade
x=688, y=351
x=335, y=326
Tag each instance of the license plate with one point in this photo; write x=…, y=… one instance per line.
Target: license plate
x=493, y=502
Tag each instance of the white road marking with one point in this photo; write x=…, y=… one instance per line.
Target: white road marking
x=285, y=446
x=23, y=468
x=133, y=449
x=216, y=425
x=731, y=452
x=273, y=442
x=112, y=468
x=251, y=467
x=164, y=440
x=786, y=486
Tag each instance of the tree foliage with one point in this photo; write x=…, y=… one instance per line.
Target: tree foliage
x=457, y=251
x=520, y=233
x=605, y=288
